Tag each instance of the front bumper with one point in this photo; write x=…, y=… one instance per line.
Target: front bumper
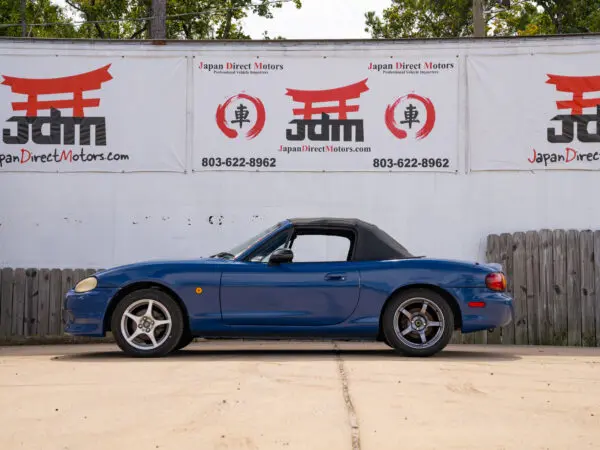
x=83, y=314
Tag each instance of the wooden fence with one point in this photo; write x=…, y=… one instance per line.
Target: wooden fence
x=31, y=301
x=552, y=275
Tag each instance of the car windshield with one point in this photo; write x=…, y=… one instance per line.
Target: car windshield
x=238, y=249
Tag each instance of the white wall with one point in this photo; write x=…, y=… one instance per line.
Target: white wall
x=100, y=220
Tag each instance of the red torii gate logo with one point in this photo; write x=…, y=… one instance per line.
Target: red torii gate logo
x=576, y=86
x=330, y=128
x=75, y=85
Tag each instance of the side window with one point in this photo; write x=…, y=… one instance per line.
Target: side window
x=262, y=254
x=320, y=248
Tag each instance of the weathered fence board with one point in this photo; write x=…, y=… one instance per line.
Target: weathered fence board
x=520, y=288
x=508, y=332
x=31, y=302
x=597, y=283
x=573, y=289
x=559, y=310
x=546, y=301
x=494, y=254
x=44, y=301
x=56, y=302
x=6, y=299
x=533, y=286
x=18, y=313
x=588, y=314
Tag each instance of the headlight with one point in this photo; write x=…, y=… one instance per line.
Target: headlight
x=86, y=285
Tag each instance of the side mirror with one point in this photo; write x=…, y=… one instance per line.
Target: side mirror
x=281, y=256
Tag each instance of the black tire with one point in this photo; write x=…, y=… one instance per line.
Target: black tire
x=162, y=302
x=186, y=339
x=438, y=311
x=384, y=339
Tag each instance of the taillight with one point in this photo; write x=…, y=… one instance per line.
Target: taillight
x=496, y=281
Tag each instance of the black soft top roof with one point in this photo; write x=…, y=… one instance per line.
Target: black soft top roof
x=372, y=243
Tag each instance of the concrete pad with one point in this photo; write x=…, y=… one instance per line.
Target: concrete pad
x=471, y=397
x=212, y=397
x=268, y=395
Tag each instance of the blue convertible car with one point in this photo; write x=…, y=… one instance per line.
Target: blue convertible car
x=301, y=278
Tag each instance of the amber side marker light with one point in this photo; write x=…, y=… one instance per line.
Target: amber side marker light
x=496, y=282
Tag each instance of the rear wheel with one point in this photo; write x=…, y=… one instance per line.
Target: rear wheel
x=148, y=322
x=186, y=339
x=418, y=322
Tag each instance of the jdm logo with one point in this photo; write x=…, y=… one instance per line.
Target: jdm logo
x=418, y=115
x=330, y=129
x=242, y=110
x=575, y=122
x=29, y=126
x=577, y=86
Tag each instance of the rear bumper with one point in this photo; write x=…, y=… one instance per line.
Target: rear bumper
x=497, y=312
x=83, y=314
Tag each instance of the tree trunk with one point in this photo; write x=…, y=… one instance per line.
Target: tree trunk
x=478, y=19
x=23, y=18
x=158, y=25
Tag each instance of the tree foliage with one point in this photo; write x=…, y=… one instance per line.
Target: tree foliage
x=454, y=18
x=38, y=12
x=128, y=19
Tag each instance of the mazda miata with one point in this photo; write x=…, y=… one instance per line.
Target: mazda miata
x=324, y=278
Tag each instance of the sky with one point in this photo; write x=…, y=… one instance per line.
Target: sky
x=317, y=19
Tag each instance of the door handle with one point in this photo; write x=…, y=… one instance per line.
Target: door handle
x=335, y=277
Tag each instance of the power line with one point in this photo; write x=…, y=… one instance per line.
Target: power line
x=143, y=19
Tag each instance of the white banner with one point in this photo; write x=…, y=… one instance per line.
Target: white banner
x=304, y=112
x=534, y=111
x=100, y=114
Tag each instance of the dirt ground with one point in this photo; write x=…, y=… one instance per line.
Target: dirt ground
x=281, y=395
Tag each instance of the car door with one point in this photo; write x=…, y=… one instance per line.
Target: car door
x=318, y=288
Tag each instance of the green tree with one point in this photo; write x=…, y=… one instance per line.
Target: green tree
x=454, y=18
x=421, y=19
x=187, y=19
x=38, y=12
x=572, y=16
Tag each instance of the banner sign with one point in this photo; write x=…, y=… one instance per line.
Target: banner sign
x=534, y=111
x=334, y=113
x=99, y=114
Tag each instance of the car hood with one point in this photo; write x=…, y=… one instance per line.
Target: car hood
x=159, y=263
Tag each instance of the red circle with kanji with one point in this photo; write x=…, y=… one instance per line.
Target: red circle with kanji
x=241, y=116
x=411, y=117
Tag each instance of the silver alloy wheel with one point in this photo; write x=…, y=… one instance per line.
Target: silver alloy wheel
x=419, y=323
x=146, y=324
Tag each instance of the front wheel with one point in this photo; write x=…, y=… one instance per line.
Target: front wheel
x=418, y=322
x=148, y=322
x=186, y=339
